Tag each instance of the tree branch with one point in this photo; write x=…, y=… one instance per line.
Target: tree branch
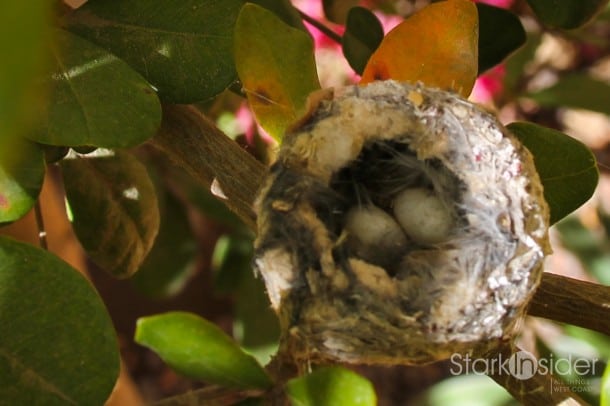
x=540, y=389
x=572, y=301
x=323, y=29
x=210, y=396
x=193, y=142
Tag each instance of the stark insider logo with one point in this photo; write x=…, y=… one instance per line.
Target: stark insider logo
x=522, y=365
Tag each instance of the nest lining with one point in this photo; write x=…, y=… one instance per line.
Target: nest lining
x=392, y=296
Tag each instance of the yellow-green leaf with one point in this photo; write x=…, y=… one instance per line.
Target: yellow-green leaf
x=437, y=45
x=276, y=66
x=331, y=386
x=199, y=349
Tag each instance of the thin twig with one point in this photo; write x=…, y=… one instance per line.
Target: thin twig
x=210, y=396
x=539, y=389
x=322, y=28
x=42, y=232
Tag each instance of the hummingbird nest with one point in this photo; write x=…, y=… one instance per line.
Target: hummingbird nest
x=399, y=224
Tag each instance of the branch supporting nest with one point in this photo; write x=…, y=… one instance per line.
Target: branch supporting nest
x=192, y=141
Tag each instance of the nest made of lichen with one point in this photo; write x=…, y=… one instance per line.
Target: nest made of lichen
x=410, y=294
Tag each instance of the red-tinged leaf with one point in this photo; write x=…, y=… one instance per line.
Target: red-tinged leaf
x=276, y=66
x=22, y=171
x=436, y=46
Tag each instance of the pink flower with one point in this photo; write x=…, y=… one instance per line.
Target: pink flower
x=488, y=85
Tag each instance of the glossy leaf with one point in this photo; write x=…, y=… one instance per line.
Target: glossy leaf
x=115, y=211
x=567, y=168
x=24, y=29
x=500, y=34
x=96, y=99
x=437, y=46
x=576, y=90
x=566, y=14
x=331, y=386
x=363, y=34
x=182, y=47
x=22, y=169
x=58, y=345
x=199, y=349
x=171, y=261
x=276, y=67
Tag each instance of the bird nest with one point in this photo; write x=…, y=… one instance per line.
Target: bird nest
x=399, y=224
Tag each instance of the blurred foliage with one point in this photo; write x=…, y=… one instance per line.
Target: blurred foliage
x=591, y=248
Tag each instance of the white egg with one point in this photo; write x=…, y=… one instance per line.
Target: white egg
x=374, y=235
x=422, y=215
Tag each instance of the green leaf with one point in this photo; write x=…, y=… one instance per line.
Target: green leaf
x=284, y=10
x=605, y=388
x=199, y=349
x=576, y=90
x=114, y=205
x=171, y=261
x=23, y=34
x=58, y=345
x=182, y=47
x=96, y=99
x=338, y=11
x=566, y=14
x=22, y=169
x=276, y=66
x=500, y=34
x=331, y=386
x=567, y=168
x=363, y=34
x=467, y=390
